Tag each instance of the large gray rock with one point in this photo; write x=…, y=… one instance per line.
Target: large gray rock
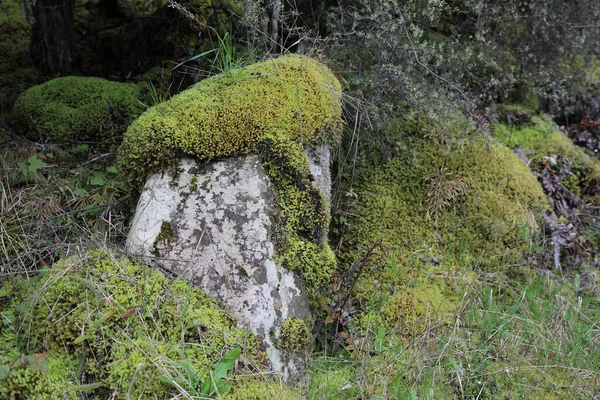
x=213, y=224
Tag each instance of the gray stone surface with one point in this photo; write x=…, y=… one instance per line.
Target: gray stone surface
x=318, y=158
x=213, y=224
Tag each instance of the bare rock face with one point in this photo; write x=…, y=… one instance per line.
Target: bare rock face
x=214, y=224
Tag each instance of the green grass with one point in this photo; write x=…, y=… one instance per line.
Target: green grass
x=532, y=340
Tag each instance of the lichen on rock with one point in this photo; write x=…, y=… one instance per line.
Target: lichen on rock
x=74, y=107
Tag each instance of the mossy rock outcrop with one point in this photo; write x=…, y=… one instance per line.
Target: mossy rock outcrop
x=74, y=107
x=544, y=142
x=226, y=170
x=272, y=109
x=442, y=213
x=102, y=325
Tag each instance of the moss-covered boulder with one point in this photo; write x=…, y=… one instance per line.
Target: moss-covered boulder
x=273, y=109
x=237, y=205
x=102, y=326
x=441, y=212
x=74, y=107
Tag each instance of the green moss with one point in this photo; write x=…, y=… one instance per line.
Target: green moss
x=259, y=388
x=41, y=376
x=295, y=336
x=544, y=139
x=304, y=216
x=225, y=115
x=15, y=35
x=274, y=108
x=73, y=107
x=484, y=226
x=333, y=378
x=163, y=239
x=104, y=318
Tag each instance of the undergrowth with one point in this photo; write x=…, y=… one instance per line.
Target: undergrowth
x=531, y=339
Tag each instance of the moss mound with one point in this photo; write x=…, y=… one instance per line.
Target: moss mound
x=227, y=114
x=74, y=107
x=544, y=140
x=104, y=326
x=442, y=213
x=273, y=109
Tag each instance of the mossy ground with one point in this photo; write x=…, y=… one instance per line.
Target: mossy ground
x=544, y=140
x=507, y=341
x=438, y=236
x=101, y=324
x=82, y=108
x=274, y=109
x=453, y=306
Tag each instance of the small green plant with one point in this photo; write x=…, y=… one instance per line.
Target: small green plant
x=154, y=95
x=213, y=385
x=31, y=168
x=225, y=60
x=442, y=190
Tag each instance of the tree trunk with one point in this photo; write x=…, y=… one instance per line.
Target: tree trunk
x=53, y=49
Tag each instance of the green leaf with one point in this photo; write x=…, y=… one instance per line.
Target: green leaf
x=80, y=148
x=36, y=363
x=81, y=192
x=226, y=364
x=35, y=164
x=112, y=169
x=8, y=317
x=194, y=58
x=23, y=168
x=82, y=338
x=97, y=179
x=4, y=371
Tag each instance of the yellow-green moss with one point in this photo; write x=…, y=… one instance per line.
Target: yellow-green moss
x=274, y=109
x=303, y=215
x=164, y=238
x=484, y=228
x=225, y=115
x=544, y=139
x=111, y=317
x=295, y=336
x=73, y=107
x=261, y=387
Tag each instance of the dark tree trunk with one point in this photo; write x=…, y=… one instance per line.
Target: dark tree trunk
x=53, y=49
